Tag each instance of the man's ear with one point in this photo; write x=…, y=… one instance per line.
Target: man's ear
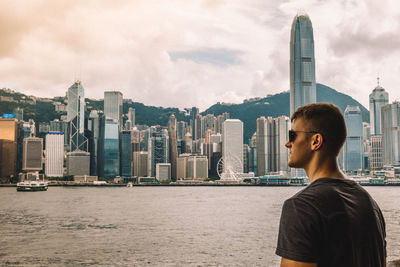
x=316, y=141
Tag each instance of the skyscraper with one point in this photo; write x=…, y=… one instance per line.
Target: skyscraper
x=108, y=159
x=353, y=147
x=8, y=148
x=391, y=134
x=131, y=117
x=54, y=154
x=32, y=154
x=232, y=146
x=377, y=99
x=302, y=63
x=76, y=117
x=113, y=106
x=158, y=148
x=173, y=150
x=125, y=149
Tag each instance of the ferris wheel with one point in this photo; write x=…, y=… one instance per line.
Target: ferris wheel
x=229, y=169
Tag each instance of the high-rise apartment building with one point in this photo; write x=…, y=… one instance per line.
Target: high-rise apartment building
x=76, y=117
x=158, y=148
x=353, y=147
x=391, y=134
x=302, y=63
x=113, y=106
x=54, y=166
x=232, y=146
x=377, y=99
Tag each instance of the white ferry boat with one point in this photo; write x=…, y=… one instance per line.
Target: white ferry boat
x=31, y=186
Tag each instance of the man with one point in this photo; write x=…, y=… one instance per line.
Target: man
x=333, y=221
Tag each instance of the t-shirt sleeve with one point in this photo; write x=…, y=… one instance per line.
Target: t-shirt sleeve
x=298, y=237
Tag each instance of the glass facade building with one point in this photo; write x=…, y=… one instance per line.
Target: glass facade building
x=113, y=106
x=353, y=147
x=76, y=117
x=302, y=63
x=108, y=159
x=391, y=134
x=126, y=153
x=158, y=148
x=377, y=99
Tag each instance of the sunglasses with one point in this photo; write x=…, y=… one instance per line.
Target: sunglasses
x=293, y=134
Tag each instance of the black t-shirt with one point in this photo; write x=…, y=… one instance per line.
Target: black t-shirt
x=332, y=222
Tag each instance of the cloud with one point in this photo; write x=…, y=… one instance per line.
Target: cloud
x=218, y=57
x=193, y=53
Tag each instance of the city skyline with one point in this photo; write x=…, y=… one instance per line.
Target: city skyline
x=204, y=52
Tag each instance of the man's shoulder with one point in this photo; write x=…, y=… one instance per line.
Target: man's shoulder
x=324, y=191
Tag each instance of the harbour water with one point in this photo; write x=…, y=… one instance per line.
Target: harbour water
x=155, y=226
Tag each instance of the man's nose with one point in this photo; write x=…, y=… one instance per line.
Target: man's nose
x=288, y=144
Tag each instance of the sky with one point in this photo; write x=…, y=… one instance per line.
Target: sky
x=181, y=53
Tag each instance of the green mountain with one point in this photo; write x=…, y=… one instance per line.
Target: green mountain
x=277, y=105
x=43, y=110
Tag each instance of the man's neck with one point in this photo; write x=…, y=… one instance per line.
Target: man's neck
x=323, y=167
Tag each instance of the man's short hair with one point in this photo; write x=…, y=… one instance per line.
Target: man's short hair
x=327, y=119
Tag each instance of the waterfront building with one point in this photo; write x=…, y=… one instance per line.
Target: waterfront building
x=261, y=145
x=376, y=152
x=54, y=166
x=113, y=106
x=126, y=153
x=8, y=158
x=139, y=164
x=78, y=163
x=246, y=151
x=353, y=146
x=108, y=159
x=76, y=117
x=94, y=124
x=391, y=134
x=232, y=146
x=32, y=154
x=377, y=99
x=173, y=149
x=302, y=63
x=8, y=148
x=158, y=148
x=163, y=171
x=192, y=167
x=271, y=137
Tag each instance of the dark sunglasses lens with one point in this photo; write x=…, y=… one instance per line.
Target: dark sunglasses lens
x=292, y=136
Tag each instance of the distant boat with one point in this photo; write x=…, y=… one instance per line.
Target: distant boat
x=30, y=186
x=130, y=184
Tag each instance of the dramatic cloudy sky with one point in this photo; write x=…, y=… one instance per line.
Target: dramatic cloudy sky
x=194, y=53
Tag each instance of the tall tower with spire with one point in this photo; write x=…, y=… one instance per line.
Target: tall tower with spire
x=76, y=117
x=302, y=63
x=377, y=99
